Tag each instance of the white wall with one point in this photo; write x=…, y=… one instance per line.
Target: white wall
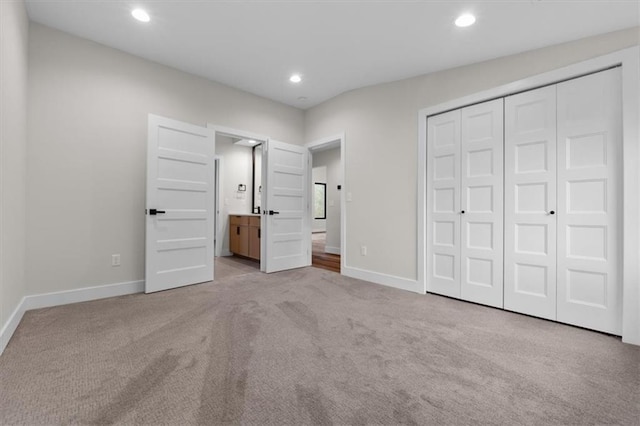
x=318, y=175
x=331, y=160
x=380, y=123
x=236, y=169
x=88, y=107
x=14, y=27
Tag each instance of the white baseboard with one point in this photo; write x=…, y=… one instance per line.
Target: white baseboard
x=332, y=250
x=10, y=326
x=383, y=279
x=47, y=300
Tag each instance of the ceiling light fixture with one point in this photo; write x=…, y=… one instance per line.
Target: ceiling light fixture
x=465, y=20
x=295, y=78
x=140, y=15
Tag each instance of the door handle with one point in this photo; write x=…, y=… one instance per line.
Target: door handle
x=271, y=212
x=154, y=212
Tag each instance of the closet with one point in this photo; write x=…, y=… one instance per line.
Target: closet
x=524, y=202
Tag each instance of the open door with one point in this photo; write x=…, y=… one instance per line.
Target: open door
x=180, y=204
x=285, y=214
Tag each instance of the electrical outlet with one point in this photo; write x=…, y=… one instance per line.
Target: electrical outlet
x=363, y=250
x=115, y=260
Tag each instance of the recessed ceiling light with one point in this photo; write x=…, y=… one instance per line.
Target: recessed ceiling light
x=251, y=141
x=140, y=15
x=465, y=20
x=295, y=78
x=302, y=98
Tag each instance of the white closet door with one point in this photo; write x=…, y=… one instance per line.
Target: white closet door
x=443, y=204
x=589, y=196
x=482, y=203
x=530, y=198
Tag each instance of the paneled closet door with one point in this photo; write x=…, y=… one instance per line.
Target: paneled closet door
x=482, y=203
x=589, y=201
x=443, y=204
x=530, y=203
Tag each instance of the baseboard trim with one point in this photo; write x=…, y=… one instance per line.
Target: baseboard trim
x=66, y=297
x=383, y=279
x=332, y=250
x=10, y=326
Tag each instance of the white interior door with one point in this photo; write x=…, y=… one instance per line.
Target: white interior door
x=589, y=196
x=443, y=204
x=482, y=204
x=286, y=201
x=180, y=204
x=530, y=198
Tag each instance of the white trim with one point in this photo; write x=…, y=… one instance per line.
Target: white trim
x=332, y=250
x=383, y=279
x=323, y=143
x=66, y=297
x=629, y=59
x=217, y=161
x=85, y=294
x=228, y=131
x=11, y=325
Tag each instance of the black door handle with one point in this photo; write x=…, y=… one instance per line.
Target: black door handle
x=154, y=212
x=271, y=212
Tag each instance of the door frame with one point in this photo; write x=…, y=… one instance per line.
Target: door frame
x=217, y=246
x=629, y=61
x=245, y=134
x=319, y=145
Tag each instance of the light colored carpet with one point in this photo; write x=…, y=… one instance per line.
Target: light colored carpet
x=309, y=347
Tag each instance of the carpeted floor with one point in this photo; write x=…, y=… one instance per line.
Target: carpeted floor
x=309, y=346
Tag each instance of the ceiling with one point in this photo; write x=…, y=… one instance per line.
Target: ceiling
x=255, y=45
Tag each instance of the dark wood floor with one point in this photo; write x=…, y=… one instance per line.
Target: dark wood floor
x=323, y=260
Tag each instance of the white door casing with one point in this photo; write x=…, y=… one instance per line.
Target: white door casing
x=589, y=201
x=286, y=195
x=443, y=204
x=530, y=198
x=481, y=228
x=180, y=183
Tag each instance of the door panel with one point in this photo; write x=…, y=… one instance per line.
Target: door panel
x=287, y=231
x=589, y=198
x=530, y=197
x=482, y=203
x=180, y=183
x=443, y=204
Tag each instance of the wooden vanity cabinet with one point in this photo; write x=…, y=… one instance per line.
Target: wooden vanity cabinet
x=244, y=236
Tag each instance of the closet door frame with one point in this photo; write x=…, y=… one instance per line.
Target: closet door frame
x=629, y=61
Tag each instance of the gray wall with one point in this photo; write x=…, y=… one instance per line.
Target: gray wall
x=88, y=107
x=14, y=28
x=381, y=129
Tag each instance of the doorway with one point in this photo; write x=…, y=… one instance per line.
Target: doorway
x=238, y=219
x=327, y=204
